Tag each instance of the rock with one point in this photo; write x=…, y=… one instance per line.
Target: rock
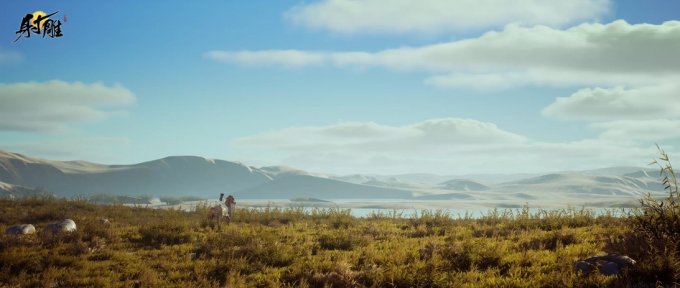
x=21, y=229
x=584, y=266
x=66, y=225
x=621, y=260
x=609, y=268
x=611, y=264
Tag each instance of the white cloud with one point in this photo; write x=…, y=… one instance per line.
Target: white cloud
x=600, y=104
x=640, y=130
x=439, y=16
x=288, y=58
x=448, y=145
x=50, y=106
x=617, y=53
x=496, y=81
x=640, y=57
x=9, y=56
x=434, y=133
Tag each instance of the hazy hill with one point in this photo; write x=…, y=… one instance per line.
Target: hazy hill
x=582, y=185
x=615, y=171
x=309, y=186
x=6, y=189
x=178, y=175
x=279, y=171
x=463, y=185
x=197, y=176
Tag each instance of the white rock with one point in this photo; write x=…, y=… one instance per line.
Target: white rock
x=21, y=229
x=66, y=225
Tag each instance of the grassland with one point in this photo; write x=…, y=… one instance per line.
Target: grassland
x=320, y=248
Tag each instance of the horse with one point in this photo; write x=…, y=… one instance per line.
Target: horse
x=218, y=212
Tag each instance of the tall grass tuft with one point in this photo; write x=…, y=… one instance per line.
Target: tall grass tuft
x=659, y=222
x=655, y=237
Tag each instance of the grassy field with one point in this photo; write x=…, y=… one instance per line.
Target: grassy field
x=322, y=248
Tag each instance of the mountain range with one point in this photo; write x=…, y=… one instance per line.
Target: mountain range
x=197, y=176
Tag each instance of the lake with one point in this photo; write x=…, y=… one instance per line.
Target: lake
x=405, y=208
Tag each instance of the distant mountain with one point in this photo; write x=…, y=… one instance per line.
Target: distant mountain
x=613, y=171
x=413, y=180
x=463, y=185
x=447, y=196
x=16, y=191
x=21, y=175
x=279, y=171
x=178, y=175
x=492, y=179
x=356, y=178
x=301, y=186
x=429, y=180
x=6, y=189
x=580, y=185
x=549, y=178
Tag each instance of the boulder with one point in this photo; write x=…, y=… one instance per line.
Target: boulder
x=66, y=225
x=21, y=229
x=609, y=268
x=622, y=261
x=584, y=266
x=611, y=264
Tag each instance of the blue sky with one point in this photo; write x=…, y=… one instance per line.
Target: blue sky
x=347, y=86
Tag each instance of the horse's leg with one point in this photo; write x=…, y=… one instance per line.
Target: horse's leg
x=230, y=212
x=219, y=222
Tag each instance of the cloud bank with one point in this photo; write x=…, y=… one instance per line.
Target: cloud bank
x=623, y=78
x=627, y=66
x=439, y=16
x=617, y=53
x=618, y=103
x=445, y=145
x=441, y=133
x=51, y=106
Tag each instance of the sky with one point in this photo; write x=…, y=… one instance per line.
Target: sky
x=347, y=86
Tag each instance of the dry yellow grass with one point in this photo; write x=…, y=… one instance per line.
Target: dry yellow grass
x=320, y=248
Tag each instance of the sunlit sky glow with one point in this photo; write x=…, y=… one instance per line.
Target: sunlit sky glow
x=346, y=86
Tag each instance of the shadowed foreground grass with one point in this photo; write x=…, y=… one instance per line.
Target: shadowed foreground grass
x=320, y=248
